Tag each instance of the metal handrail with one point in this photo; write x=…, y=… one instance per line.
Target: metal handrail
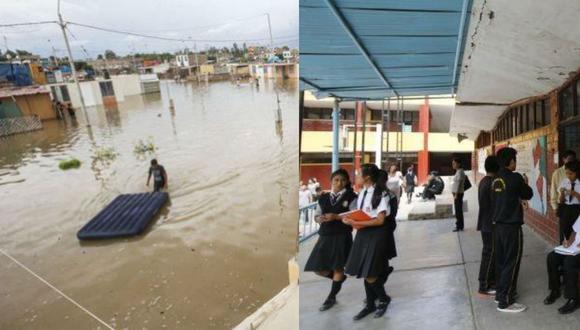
x=307, y=227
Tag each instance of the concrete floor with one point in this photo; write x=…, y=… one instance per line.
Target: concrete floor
x=435, y=282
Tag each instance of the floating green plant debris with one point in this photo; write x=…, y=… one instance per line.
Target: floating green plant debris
x=70, y=163
x=142, y=147
x=105, y=154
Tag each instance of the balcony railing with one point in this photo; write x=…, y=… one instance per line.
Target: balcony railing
x=307, y=227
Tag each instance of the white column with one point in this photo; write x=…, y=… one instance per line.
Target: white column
x=378, y=144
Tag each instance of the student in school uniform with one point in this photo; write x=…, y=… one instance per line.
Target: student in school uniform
x=569, y=209
x=509, y=189
x=457, y=190
x=571, y=271
x=395, y=181
x=368, y=257
x=409, y=183
x=557, y=177
x=335, y=238
x=485, y=225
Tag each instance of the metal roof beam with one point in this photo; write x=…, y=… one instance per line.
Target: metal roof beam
x=308, y=82
x=459, y=43
x=348, y=29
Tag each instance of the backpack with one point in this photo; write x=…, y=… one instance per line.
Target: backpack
x=393, y=203
x=394, y=206
x=466, y=184
x=410, y=179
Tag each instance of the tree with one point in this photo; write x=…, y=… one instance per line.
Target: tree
x=21, y=52
x=81, y=65
x=236, y=50
x=100, y=57
x=110, y=55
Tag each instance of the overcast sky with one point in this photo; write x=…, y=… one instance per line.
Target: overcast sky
x=208, y=20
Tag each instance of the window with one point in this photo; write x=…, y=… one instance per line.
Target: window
x=531, y=113
x=107, y=88
x=514, y=116
x=538, y=114
x=567, y=103
x=347, y=114
x=64, y=93
x=376, y=115
x=318, y=113
x=570, y=137
x=521, y=120
x=547, y=112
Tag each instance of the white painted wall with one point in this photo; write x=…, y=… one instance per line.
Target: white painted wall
x=518, y=49
x=126, y=85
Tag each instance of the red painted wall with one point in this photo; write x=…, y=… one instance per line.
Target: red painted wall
x=322, y=173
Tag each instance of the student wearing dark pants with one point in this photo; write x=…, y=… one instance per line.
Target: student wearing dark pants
x=457, y=190
x=368, y=257
x=485, y=225
x=568, y=213
x=329, y=255
x=571, y=271
x=508, y=191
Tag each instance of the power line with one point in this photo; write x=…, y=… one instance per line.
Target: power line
x=167, y=38
x=28, y=23
x=75, y=38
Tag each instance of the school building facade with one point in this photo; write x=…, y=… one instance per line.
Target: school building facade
x=540, y=128
x=416, y=134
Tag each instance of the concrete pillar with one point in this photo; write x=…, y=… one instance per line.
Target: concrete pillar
x=423, y=155
x=335, y=134
x=378, y=146
x=358, y=122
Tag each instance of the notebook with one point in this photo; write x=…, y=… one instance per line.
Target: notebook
x=572, y=250
x=356, y=215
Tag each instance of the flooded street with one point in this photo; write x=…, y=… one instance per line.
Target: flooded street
x=218, y=250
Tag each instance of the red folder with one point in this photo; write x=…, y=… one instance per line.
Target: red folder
x=356, y=215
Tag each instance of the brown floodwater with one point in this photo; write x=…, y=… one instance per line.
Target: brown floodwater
x=216, y=252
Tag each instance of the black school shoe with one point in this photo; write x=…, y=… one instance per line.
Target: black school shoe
x=364, y=312
x=552, y=297
x=327, y=304
x=570, y=306
x=382, y=308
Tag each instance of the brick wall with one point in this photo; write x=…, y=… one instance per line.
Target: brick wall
x=545, y=225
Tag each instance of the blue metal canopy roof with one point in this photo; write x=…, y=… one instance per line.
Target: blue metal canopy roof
x=373, y=49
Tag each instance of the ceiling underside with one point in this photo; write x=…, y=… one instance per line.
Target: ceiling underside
x=514, y=50
x=357, y=49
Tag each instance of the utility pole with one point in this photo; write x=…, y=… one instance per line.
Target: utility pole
x=6, y=43
x=72, y=65
x=196, y=62
x=270, y=30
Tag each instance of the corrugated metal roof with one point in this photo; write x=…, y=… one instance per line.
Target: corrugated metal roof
x=19, y=91
x=412, y=43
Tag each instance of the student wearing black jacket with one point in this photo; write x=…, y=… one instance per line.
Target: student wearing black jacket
x=335, y=238
x=508, y=191
x=485, y=225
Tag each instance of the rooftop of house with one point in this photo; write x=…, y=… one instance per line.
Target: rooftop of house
x=13, y=91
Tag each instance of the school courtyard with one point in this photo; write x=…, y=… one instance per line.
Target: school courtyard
x=434, y=284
